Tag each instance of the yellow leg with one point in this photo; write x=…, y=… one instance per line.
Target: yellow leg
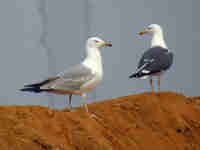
x=84, y=102
x=69, y=107
x=151, y=84
x=159, y=83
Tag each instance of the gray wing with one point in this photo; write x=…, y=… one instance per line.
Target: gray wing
x=71, y=79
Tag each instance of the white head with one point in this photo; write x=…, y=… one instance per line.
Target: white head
x=96, y=42
x=152, y=29
x=93, y=59
x=157, y=35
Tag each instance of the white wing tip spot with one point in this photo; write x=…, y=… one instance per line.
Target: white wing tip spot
x=145, y=71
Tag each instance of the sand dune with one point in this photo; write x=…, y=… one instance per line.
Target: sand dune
x=138, y=122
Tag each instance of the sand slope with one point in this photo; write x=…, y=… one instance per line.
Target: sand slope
x=164, y=121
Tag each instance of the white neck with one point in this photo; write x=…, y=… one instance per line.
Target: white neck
x=158, y=40
x=93, y=60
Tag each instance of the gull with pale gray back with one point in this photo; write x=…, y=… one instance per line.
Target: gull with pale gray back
x=79, y=79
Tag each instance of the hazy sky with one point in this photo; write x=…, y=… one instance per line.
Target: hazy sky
x=67, y=24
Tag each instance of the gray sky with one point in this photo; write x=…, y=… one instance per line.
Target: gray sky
x=67, y=25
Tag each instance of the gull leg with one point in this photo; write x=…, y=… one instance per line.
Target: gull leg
x=70, y=101
x=69, y=108
x=159, y=77
x=84, y=102
x=151, y=84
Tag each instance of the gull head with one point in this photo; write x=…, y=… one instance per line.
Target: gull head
x=96, y=42
x=152, y=29
x=157, y=35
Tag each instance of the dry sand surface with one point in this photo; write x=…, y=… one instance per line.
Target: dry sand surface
x=164, y=121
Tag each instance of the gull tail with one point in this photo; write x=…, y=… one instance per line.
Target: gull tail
x=31, y=89
x=36, y=86
x=139, y=75
x=140, y=72
x=135, y=75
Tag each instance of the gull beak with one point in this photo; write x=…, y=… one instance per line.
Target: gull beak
x=145, y=31
x=106, y=44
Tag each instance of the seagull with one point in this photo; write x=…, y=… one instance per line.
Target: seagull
x=79, y=79
x=157, y=59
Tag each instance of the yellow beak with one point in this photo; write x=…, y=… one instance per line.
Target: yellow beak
x=145, y=31
x=106, y=44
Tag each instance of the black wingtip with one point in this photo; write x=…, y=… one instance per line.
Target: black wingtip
x=24, y=89
x=31, y=89
x=133, y=76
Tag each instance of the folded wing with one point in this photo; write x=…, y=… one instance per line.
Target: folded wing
x=153, y=61
x=70, y=80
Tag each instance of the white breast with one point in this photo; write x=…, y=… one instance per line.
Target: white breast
x=91, y=84
x=95, y=64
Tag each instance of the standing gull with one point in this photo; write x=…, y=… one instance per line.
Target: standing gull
x=156, y=60
x=79, y=79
